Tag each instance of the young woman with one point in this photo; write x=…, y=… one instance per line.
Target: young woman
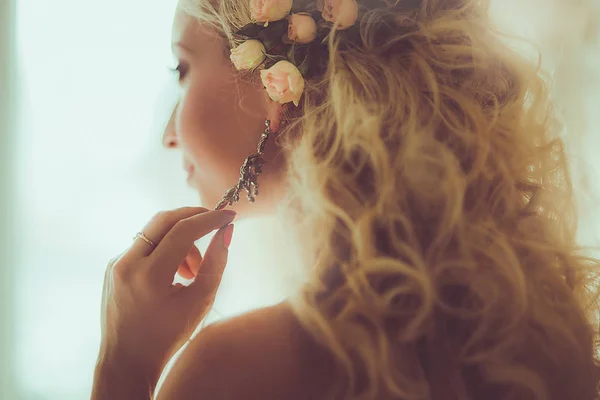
x=419, y=161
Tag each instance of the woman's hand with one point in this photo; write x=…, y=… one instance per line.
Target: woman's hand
x=145, y=318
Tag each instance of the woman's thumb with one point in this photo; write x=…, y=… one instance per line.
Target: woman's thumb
x=214, y=261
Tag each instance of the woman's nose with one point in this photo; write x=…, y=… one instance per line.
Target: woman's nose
x=169, y=136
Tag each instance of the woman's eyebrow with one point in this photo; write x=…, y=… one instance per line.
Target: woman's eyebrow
x=182, y=46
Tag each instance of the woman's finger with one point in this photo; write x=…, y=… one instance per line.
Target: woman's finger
x=190, y=266
x=215, y=257
x=185, y=271
x=208, y=279
x=178, y=242
x=194, y=259
x=158, y=227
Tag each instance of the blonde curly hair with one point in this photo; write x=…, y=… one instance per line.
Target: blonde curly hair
x=432, y=194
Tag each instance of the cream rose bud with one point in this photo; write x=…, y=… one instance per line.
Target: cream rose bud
x=342, y=12
x=269, y=10
x=248, y=55
x=302, y=28
x=283, y=82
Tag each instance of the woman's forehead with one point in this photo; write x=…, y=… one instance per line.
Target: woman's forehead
x=188, y=30
x=182, y=26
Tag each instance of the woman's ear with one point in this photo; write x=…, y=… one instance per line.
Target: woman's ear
x=274, y=113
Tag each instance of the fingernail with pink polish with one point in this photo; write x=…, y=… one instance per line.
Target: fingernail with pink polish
x=229, y=212
x=227, y=236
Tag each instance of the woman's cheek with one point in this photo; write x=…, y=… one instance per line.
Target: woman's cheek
x=190, y=119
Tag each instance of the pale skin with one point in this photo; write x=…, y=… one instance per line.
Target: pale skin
x=145, y=318
x=219, y=119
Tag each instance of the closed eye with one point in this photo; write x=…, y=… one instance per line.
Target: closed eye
x=181, y=71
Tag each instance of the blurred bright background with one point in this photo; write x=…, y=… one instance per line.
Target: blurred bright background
x=83, y=168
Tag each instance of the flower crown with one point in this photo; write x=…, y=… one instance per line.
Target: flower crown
x=289, y=42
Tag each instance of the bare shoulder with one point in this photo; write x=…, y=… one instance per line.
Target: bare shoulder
x=264, y=354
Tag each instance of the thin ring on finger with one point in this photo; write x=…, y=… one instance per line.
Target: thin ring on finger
x=157, y=228
x=141, y=235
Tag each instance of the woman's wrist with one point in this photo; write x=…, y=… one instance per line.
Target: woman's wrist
x=118, y=379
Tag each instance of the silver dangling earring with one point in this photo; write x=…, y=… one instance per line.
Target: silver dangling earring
x=249, y=172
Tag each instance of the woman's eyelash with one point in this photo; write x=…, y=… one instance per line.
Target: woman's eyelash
x=180, y=71
x=176, y=70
